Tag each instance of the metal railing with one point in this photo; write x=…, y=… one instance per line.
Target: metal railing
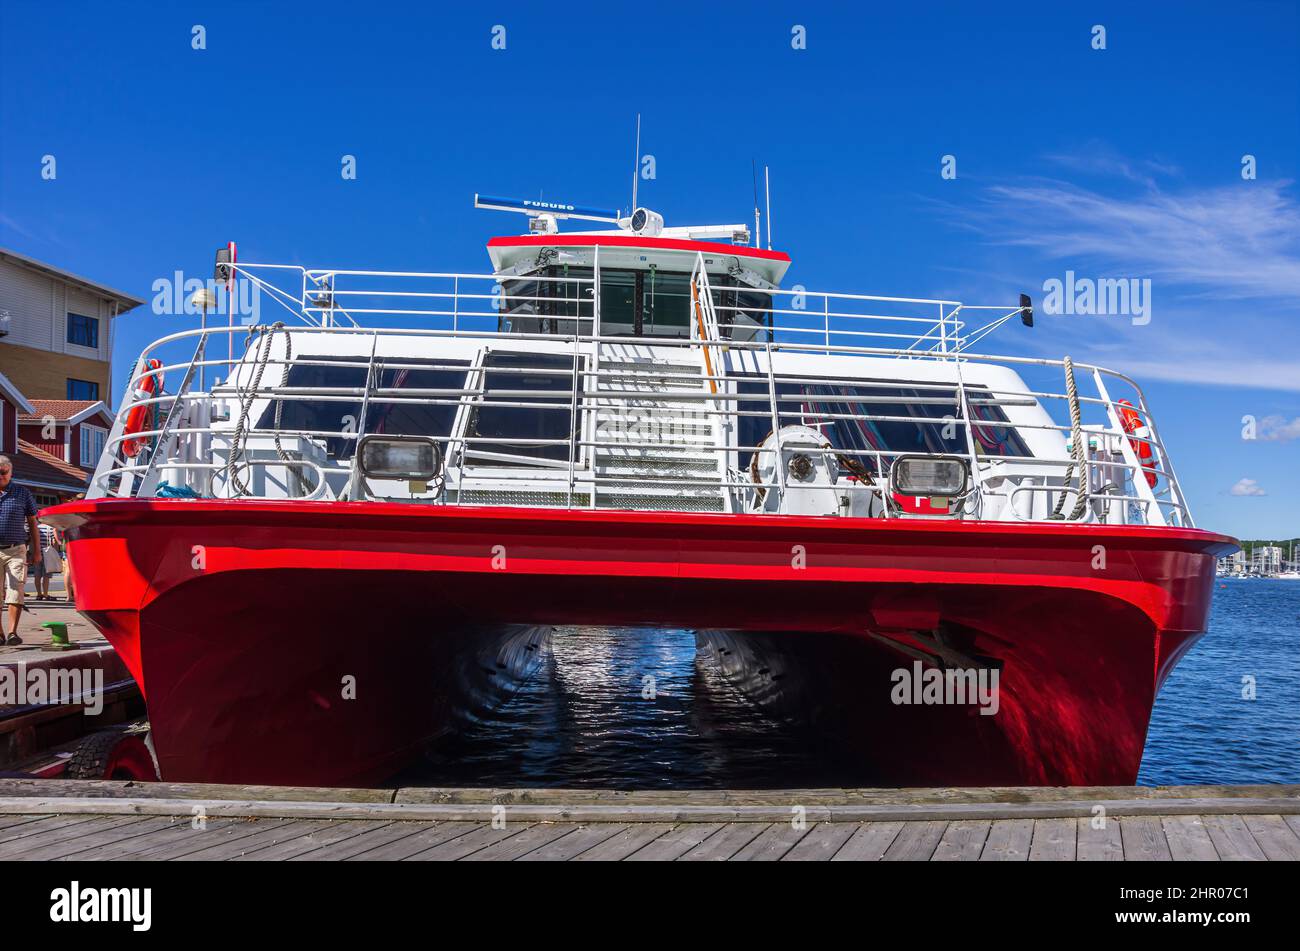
x=718, y=396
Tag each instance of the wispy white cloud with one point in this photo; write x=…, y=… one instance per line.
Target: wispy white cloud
x=1224, y=261
x=1237, y=371
x=1279, y=428
x=1247, y=487
x=1098, y=158
x=13, y=224
x=1228, y=242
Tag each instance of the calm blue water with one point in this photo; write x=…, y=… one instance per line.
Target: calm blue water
x=1203, y=730
x=587, y=719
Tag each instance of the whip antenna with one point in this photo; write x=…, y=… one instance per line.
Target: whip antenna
x=767, y=188
x=636, y=162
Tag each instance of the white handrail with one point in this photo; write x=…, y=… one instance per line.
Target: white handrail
x=718, y=401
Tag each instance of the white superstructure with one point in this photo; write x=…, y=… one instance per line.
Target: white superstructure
x=641, y=367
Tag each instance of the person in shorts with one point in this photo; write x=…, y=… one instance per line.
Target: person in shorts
x=41, y=568
x=20, y=545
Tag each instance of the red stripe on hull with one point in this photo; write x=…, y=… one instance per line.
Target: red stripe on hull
x=247, y=609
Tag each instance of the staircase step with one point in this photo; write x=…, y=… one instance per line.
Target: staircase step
x=642, y=418
x=606, y=362
x=648, y=498
x=706, y=474
x=631, y=442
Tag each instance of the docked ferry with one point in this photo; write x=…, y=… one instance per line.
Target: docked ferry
x=324, y=542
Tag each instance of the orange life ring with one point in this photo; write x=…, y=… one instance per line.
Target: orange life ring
x=1134, y=426
x=137, y=420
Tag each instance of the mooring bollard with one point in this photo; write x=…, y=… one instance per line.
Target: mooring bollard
x=59, y=636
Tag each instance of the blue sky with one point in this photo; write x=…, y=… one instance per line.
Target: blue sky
x=1122, y=162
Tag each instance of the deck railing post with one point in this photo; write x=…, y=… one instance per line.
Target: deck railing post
x=776, y=423
x=574, y=420
x=595, y=293
x=966, y=412
x=354, y=489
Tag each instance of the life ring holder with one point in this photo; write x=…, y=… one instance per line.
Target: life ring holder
x=137, y=420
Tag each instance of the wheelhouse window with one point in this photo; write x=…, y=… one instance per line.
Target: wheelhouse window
x=635, y=303
x=527, y=397
x=435, y=387
x=666, y=303
x=83, y=330
x=875, y=421
x=83, y=390
x=557, y=300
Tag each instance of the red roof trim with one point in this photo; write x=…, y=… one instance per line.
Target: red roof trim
x=636, y=241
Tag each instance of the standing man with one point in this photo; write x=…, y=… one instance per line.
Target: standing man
x=20, y=544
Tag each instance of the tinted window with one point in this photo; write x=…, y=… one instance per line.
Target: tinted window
x=850, y=418
x=545, y=381
x=541, y=306
x=650, y=302
x=432, y=417
x=82, y=390
x=83, y=330
x=667, y=301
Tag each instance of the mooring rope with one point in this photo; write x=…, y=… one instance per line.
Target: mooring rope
x=1078, y=452
x=246, y=398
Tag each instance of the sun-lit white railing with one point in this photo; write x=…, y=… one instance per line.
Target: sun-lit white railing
x=183, y=442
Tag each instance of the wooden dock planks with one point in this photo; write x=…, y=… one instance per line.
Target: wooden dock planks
x=166, y=824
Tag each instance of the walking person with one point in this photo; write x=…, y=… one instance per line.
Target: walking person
x=48, y=564
x=20, y=545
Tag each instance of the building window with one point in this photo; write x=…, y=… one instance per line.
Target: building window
x=83, y=330
x=82, y=390
x=92, y=445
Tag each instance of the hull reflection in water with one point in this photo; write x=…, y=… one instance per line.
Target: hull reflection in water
x=630, y=708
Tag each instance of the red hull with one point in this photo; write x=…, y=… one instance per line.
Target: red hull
x=241, y=619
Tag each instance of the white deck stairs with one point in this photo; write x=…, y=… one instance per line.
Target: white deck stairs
x=655, y=439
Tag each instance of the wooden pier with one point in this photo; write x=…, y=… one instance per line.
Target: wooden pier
x=37, y=738
x=80, y=820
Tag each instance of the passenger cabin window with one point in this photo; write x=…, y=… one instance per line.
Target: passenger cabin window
x=435, y=387
x=881, y=420
x=527, y=396
x=633, y=303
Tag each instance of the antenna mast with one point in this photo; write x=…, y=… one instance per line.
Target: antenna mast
x=767, y=188
x=636, y=162
x=758, y=231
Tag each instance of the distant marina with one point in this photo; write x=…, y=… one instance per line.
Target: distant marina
x=1260, y=560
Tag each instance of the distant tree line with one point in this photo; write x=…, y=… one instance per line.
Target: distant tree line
x=1249, y=545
